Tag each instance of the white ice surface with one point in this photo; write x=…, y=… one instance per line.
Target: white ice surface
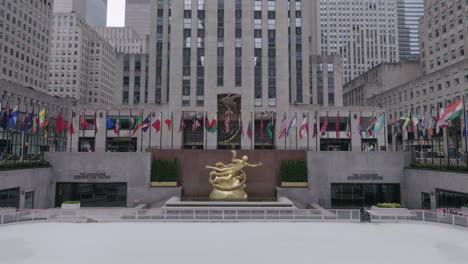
x=224, y=243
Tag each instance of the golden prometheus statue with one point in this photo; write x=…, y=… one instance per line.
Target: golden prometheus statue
x=228, y=180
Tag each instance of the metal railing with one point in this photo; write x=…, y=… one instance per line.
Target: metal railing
x=180, y=215
x=441, y=216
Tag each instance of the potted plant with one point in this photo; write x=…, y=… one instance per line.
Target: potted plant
x=293, y=173
x=71, y=205
x=164, y=173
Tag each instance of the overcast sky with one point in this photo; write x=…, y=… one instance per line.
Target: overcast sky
x=115, y=13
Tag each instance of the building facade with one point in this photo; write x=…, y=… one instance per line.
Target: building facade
x=409, y=13
x=379, y=79
x=123, y=39
x=133, y=75
x=364, y=33
x=94, y=12
x=24, y=42
x=442, y=34
x=138, y=16
x=82, y=62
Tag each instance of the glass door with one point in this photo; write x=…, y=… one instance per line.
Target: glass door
x=29, y=200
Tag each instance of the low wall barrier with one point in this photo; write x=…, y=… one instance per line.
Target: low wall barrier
x=180, y=215
x=453, y=217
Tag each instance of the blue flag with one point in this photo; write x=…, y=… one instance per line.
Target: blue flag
x=379, y=124
x=110, y=123
x=146, y=123
x=29, y=122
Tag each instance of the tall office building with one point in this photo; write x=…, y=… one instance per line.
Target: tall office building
x=123, y=39
x=138, y=16
x=199, y=50
x=409, y=13
x=442, y=34
x=24, y=42
x=93, y=11
x=82, y=62
x=363, y=32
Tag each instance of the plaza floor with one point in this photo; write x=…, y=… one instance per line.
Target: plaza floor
x=225, y=243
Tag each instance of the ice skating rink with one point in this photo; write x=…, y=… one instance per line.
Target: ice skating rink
x=224, y=243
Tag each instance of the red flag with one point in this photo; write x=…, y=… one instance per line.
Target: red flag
x=304, y=127
x=95, y=123
x=249, y=130
x=182, y=123
x=60, y=124
x=168, y=122
x=323, y=130
x=157, y=124
x=117, y=126
x=337, y=125
x=83, y=123
x=71, y=129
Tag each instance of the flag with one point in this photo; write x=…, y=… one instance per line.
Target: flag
x=95, y=123
x=227, y=123
x=424, y=125
x=405, y=120
x=28, y=124
x=453, y=111
x=359, y=126
x=195, y=123
x=71, y=129
x=261, y=128
x=431, y=125
x=323, y=130
x=211, y=126
x=415, y=122
x=241, y=128
x=109, y=122
x=132, y=122
x=370, y=127
x=438, y=123
x=13, y=116
x=271, y=126
x=25, y=120
x=117, y=125
x=168, y=122
x=249, y=130
x=304, y=127
x=83, y=123
x=157, y=123
x=60, y=123
x=138, y=124
x=46, y=126
x=337, y=125
x=315, y=129
x=292, y=124
x=146, y=123
x=42, y=117
x=282, y=132
x=348, y=126
x=181, y=123
x=35, y=124
x=379, y=124
x=5, y=116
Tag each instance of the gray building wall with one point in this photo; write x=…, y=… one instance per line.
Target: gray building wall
x=138, y=16
x=335, y=167
x=418, y=181
x=37, y=180
x=133, y=169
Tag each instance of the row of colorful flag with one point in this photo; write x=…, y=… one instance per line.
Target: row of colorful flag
x=32, y=122
x=144, y=123
x=410, y=121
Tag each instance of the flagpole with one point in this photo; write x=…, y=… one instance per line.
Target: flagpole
x=107, y=116
x=206, y=130
x=285, y=136
x=328, y=135
x=251, y=138
x=316, y=125
x=150, y=128
x=69, y=133
x=466, y=132
x=161, y=131
x=385, y=131
x=141, y=131
x=339, y=132
x=172, y=130
x=296, y=128
x=308, y=139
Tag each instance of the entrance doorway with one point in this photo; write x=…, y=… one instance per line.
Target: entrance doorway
x=29, y=200
x=425, y=200
x=346, y=195
x=92, y=194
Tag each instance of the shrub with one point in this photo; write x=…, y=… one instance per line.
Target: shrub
x=389, y=205
x=25, y=165
x=164, y=171
x=293, y=171
x=440, y=167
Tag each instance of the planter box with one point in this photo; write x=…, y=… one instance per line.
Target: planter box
x=295, y=184
x=76, y=206
x=164, y=184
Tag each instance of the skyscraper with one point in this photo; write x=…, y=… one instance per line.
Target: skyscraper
x=409, y=13
x=24, y=42
x=363, y=32
x=138, y=16
x=93, y=11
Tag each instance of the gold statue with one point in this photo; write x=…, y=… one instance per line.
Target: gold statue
x=228, y=180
